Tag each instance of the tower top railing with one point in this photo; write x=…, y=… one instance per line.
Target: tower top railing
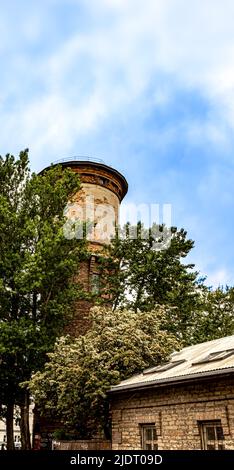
x=80, y=158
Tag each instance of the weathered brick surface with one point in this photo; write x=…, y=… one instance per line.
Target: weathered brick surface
x=80, y=322
x=98, y=202
x=176, y=412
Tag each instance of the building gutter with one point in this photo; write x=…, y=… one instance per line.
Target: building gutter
x=185, y=379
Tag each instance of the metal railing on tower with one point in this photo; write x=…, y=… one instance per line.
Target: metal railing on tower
x=80, y=158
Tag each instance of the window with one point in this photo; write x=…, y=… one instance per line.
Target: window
x=212, y=435
x=95, y=283
x=149, y=437
x=215, y=356
x=163, y=367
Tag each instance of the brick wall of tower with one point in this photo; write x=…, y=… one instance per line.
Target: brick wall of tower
x=80, y=323
x=98, y=201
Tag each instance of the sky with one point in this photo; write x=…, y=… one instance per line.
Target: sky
x=147, y=86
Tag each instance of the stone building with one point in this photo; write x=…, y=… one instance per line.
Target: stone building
x=16, y=430
x=185, y=404
x=3, y=437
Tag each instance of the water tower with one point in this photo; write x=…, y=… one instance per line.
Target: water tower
x=98, y=202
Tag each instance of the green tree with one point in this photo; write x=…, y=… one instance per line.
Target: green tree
x=36, y=267
x=75, y=380
x=216, y=318
x=142, y=269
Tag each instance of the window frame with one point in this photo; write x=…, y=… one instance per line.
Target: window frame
x=153, y=441
x=95, y=283
x=216, y=442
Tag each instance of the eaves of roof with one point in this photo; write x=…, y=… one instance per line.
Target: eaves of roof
x=170, y=381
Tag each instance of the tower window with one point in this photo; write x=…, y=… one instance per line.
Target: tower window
x=95, y=283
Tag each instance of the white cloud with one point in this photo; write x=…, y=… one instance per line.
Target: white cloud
x=122, y=59
x=219, y=278
x=105, y=69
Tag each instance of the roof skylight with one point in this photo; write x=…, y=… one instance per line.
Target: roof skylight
x=215, y=356
x=163, y=367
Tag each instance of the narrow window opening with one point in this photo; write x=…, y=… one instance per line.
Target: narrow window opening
x=149, y=437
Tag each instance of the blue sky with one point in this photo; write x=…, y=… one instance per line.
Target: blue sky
x=148, y=86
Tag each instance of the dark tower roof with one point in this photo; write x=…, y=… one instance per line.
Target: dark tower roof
x=95, y=171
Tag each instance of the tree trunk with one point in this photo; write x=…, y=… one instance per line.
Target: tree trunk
x=24, y=423
x=10, y=426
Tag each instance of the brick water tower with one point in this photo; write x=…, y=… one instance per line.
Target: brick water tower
x=97, y=202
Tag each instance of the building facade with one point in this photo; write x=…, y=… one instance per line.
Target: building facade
x=3, y=437
x=186, y=404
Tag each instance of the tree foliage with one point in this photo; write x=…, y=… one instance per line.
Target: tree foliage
x=139, y=271
x=75, y=380
x=156, y=299
x=216, y=317
x=36, y=268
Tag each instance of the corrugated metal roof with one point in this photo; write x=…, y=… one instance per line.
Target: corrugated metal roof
x=186, y=368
